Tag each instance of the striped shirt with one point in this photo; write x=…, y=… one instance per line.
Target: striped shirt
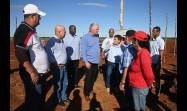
x=128, y=55
x=28, y=47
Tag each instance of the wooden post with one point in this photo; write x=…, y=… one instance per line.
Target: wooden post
x=166, y=36
x=121, y=15
x=175, y=36
x=16, y=22
x=150, y=17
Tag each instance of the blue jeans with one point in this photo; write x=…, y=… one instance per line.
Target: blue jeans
x=139, y=98
x=110, y=67
x=61, y=82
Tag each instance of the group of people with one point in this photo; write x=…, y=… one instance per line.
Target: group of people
x=135, y=57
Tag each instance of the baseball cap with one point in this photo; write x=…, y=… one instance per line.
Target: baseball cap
x=141, y=36
x=32, y=9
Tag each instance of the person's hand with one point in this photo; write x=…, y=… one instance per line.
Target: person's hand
x=88, y=65
x=34, y=77
x=122, y=86
x=103, y=56
x=108, y=44
x=60, y=65
x=153, y=90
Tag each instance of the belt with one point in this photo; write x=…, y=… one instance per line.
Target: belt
x=61, y=65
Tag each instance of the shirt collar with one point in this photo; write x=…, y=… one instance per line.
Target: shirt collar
x=28, y=26
x=72, y=35
x=61, y=40
x=156, y=38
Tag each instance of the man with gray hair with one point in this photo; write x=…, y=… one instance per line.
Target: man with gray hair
x=90, y=53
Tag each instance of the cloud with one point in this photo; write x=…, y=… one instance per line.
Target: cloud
x=94, y=4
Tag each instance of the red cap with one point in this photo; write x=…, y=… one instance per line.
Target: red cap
x=141, y=35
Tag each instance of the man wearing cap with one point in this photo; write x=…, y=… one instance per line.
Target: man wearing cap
x=157, y=48
x=33, y=61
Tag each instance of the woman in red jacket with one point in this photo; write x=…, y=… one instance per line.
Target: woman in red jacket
x=140, y=73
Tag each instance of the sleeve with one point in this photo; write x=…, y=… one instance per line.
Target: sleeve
x=83, y=49
x=162, y=44
x=145, y=62
x=50, y=51
x=22, y=42
x=103, y=46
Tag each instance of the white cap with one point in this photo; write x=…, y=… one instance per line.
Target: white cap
x=32, y=9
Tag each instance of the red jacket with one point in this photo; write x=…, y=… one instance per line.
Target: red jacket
x=140, y=73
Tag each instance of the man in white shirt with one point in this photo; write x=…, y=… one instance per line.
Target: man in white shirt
x=72, y=43
x=156, y=49
x=107, y=43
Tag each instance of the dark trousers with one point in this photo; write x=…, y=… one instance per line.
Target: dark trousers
x=72, y=69
x=91, y=77
x=156, y=71
x=34, y=93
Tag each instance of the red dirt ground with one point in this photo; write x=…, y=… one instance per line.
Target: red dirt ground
x=102, y=100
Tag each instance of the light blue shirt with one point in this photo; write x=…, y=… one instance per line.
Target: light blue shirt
x=72, y=44
x=114, y=54
x=56, y=51
x=128, y=55
x=155, y=46
x=90, y=50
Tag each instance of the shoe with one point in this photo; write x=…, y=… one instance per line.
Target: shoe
x=66, y=101
x=61, y=103
x=108, y=90
x=87, y=98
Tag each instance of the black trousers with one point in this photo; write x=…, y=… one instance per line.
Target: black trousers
x=91, y=76
x=34, y=93
x=72, y=70
x=156, y=70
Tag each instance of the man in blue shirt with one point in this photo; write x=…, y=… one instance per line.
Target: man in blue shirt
x=57, y=57
x=90, y=53
x=128, y=55
x=72, y=43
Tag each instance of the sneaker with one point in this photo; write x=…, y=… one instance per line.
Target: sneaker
x=108, y=90
x=61, y=103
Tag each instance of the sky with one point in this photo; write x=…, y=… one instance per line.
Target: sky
x=104, y=12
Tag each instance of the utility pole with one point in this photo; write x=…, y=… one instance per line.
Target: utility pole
x=121, y=15
x=16, y=22
x=175, y=36
x=150, y=17
x=166, y=34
